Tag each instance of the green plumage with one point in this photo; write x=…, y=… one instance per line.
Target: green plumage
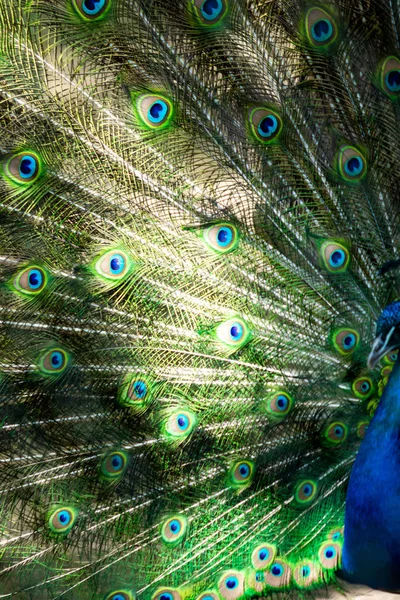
x=195, y=199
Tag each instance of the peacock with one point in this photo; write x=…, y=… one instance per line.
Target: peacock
x=199, y=313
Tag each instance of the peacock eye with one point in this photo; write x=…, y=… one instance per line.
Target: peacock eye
x=335, y=256
x=336, y=433
x=23, y=168
x=210, y=12
x=321, y=28
x=266, y=125
x=222, y=238
x=329, y=555
x=154, y=111
x=234, y=332
x=54, y=361
x=262, y=556
x=120, y=595
x=306, y=491
x=362, y=429
x=306, y=574
x=345, y=341
x=208, y=596
x=391, y=357
x=278, y=574
x=166, y=594
x=113, y=265
x=363, y=387
x=62, y=520
x=231, y=585
x=174, y=529
x=180, y=423
x=352, y=164
x=114, y=465
x=31, y=281
x=279, y=404
x=336, y=534
x=135, y=392
x=90, y=10
x=242, y=473
x=390, y=76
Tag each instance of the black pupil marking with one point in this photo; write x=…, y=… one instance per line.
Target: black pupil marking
x=354, y=164
x=33, y=279
x=155, y=110
x=63, y=518
x=321, y=28
x=230, y=583
x=365, y=387
x=338, y=431
x=348, y=340
x=307, y=490
x=181, y=421
x=115, y=264
x=336, y=257
x=116, y=462
x=305, y=571
x=165, y=597
x=209, y=7
x=222, y=236
x=55, y=360
x=234, y=331
x=394, y=79
x=139, y=389
x=243, y=470
x=26, y=166
x=276, y=570
x=281, y=403
x=266, y=124
x=91, y=4
x=329, y=554
x=259, y=577
x=263, y=555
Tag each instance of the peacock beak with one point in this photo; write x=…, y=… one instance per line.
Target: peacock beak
x=380, y=347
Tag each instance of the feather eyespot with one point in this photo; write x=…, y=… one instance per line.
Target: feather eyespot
x=222, y=238
x=62, y=520
x=135, y=392
x=174, y=529
x=335, y=257
x=391, y=357
x=233, y=333
x=306, y=574
x=363, y=387
x=91, y=10
x=306, y=492
x=278, y=575
x=390, y=76
x=329, y=555
x=345, y=341
x=120, y=595
x=155, y=111
x=54, y=361
x=266, y=125
x=208, y=596
x=167, y=594
x=352, y=164
x=242, y=473
x=23, y=168
x=180, y=424
x=231, y=585
x=321, y=28
x=262, y=556
x=113, y=265
x=31, y=280
x=210, y=12
x=362, y=429
x=336, y=433
x=114, y=465
x=279, y=405
x=336, y=535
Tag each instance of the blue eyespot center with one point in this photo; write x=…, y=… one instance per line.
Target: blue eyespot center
x=211, y=9
x=365, y=387
x=27, y=167
x=140, y=389
x=232, y=583
x=182, y=421
x=354, y=166
x=166, y=596
x=337, y=258
x=322, y=30
x=263, y=554
x=224, y=236
x=56, y=359
x=118, y=597
x=236, y=331
x=305, y=571
x=117, y=264
x=393, y=80
x=92, y=7
x=339, y=431
x=336, y=536
x=307, y=489
x=349, y=341
x=157, y=111
x=330, y=552
x=282, y=402
x=64, y=517
x=260, y=576
x=268, y=126
x=244, y=470
x=277, y=570
x=35, y=279
x=116, y=462
x=175, y=526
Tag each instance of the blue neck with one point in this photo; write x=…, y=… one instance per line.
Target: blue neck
x=371, y=552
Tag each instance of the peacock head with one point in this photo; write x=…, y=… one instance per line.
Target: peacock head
x=387, y=337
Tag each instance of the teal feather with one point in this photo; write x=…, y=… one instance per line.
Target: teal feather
x=196, y=198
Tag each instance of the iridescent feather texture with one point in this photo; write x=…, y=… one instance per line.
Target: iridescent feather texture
x=196, y=197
